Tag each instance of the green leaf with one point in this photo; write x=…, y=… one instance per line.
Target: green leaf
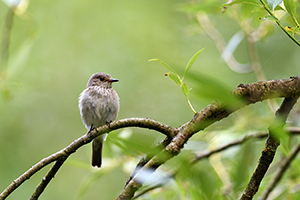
x=162, y=62
x=269, y=17
x=191, y=62
x=208, y=88
x=274, y=3
x=185, y=90
x=290, y=6
x=174, y=77
x=253, y=2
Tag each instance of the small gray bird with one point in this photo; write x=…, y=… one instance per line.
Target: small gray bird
x=98, y=105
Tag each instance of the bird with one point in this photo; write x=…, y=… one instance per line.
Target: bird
x=98, y=105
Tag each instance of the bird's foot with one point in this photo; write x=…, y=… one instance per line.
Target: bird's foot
x=108, y=123
x=91, y=128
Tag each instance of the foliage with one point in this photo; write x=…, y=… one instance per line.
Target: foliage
x=50, y=49
x=176, y=78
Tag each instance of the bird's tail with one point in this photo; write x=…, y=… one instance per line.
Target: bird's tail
x=97, y=145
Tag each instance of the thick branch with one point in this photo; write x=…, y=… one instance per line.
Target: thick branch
x=282, y=168
x=143, y=123
x=44, y=162
x=269, y=151
x=176, y=138
x=40, y=188
x=64, y=153
x=146, y=158
x=209, y=152
x=214, y=112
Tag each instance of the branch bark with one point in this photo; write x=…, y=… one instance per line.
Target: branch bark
x=45, y=181
x=175, y=137
x=66, y=152
x=279, y=173
x=269, y=151
x=209, y=152
x=250, y=93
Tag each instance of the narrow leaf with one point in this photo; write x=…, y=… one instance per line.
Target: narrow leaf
x=174, y=77
x=209, y=88
x=269, y=17
x=253, y=2
x=162, y=62
x=290, y=6
x=185, y=90
x=191, y=62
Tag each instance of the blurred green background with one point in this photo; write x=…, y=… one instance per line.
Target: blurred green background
x=57, y=45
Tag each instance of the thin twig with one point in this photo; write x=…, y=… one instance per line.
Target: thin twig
x=131, y=122
x=269, y=151
x=146, y=190
x=25, y=176
x=278, y=23
x=214, y=112
x=209, y=152
x=281, y=170
x=45, y=181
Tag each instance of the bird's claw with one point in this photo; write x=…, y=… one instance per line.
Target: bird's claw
x=92, y=128
x=108, y=123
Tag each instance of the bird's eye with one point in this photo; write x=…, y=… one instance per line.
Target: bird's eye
x=101, y=79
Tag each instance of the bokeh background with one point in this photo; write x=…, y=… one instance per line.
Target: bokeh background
x=55, y=46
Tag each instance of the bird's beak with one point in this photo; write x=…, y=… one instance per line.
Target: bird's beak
x=113, y=80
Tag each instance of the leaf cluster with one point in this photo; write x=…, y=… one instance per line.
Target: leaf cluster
x=179, y=80
x=271, y=6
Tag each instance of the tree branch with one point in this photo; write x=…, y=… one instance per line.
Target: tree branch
x=45, y=181
x=146, y=158
x=269, y=151
x=64, y=153
x=176, y=138
x=209, y=152
x=262, y=134
x=282, y=168
x=250, y=93
x=279, y=23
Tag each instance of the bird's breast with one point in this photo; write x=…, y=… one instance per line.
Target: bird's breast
x=98, y=106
